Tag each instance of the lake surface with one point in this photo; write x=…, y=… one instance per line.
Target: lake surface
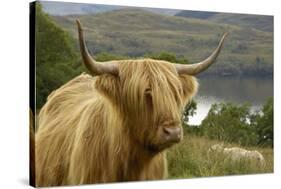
x=237, y=90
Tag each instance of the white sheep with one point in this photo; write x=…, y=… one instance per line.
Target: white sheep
x=236, y=153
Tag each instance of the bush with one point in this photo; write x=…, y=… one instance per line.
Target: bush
x=236, y=123
x=229, y=122
x=264, y=124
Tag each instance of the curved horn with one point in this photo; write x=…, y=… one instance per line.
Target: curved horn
x=197, y=68
x=94, y=67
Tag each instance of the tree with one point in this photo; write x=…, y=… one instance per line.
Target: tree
x=56, y=57
x=189, y=110
x=231, y=123
x=264, y=124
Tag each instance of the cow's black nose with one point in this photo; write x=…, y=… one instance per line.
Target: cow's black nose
x=172, y=134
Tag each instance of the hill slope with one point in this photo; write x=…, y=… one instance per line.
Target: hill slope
x=68, y=8
x=259, y=22
x=135, y=32
x=196, y=14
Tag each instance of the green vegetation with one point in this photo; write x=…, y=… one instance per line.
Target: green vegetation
x=168, y=57
x=135, y=33
x=189, y=110
x=232, y=125
x=237, y=124
x=259, y=22
x=229, y=122
x=56, y=57
x=264, y=124
x=196, y=14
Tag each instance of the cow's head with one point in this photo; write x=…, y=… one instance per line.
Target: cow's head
x=150, y=94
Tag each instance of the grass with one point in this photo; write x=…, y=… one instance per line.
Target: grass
x=190, y=159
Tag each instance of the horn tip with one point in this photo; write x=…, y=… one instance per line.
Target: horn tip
x=225, y=34
x=78, y=24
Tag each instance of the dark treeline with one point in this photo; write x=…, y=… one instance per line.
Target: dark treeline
x=235, y=123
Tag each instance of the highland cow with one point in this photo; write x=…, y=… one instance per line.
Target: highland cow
x=115, y=124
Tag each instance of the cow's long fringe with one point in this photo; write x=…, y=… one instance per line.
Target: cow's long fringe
x=96, y=129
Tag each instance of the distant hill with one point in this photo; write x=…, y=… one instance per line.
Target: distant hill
x=67, y=8
x=196, y=14
x=259, y=22
x=170, y=12
x=136, y=32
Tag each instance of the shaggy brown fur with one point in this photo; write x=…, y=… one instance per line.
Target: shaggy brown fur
x=105, y=128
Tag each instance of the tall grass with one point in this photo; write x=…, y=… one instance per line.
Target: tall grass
x=191, y=159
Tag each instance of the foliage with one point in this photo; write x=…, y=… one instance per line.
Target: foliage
x=237, y=123
x=102, y=57
x=189, y=110
x=168, y=57
x=229, y=122
x=264, y=124
x=56, y=58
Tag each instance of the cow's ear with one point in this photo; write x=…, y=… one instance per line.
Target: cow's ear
x=109, y=86
x=189, y=86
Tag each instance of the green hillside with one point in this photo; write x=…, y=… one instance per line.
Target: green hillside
x=259, y=22
x=196, y=14
x=135, y=32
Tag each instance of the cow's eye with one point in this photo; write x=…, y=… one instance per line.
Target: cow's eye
x=147, y=91
x=148, y=97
